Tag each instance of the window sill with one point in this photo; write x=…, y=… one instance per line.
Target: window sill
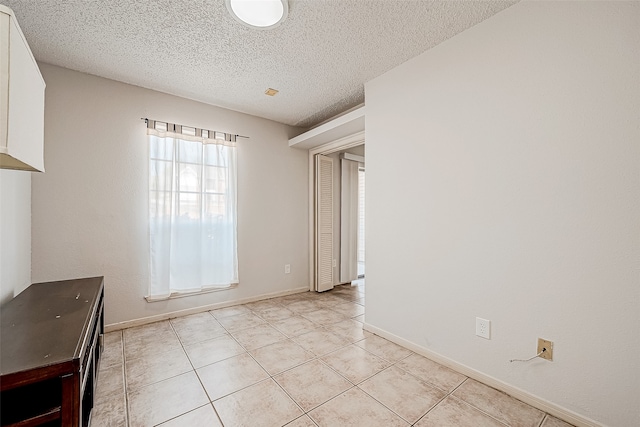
x=175, y=295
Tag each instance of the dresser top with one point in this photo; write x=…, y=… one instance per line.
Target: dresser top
x=46, y=323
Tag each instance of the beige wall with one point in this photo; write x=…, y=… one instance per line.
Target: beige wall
x=15, y=233
x=516, y=199
x=90, y=207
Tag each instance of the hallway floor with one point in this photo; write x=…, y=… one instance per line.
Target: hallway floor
x=300, y=360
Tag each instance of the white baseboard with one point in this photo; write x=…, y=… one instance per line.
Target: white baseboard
x=164, y=316
x=528, y=398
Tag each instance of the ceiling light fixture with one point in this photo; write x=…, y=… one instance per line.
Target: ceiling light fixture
x=260, y=14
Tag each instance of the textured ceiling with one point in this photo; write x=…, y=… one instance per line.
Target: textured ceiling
x=319, y=58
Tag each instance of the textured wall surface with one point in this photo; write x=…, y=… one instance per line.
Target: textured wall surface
x=90, y=207
x=516, y=199
x=15, y=233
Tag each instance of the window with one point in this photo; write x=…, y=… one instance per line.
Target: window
x=192, y=210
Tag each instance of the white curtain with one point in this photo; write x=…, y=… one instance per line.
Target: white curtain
x=192, y=213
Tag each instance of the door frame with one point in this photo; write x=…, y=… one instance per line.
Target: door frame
x=328, y=148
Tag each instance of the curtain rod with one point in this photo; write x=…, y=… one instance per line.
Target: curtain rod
x=172, y=127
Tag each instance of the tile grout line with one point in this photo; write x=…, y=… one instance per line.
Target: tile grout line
x=381, y=403
x=180, y=415
x=290, y=397
x=350, y=342
x=182, y=346
x=320, y=360
x=389, y=409
x=330, y=399
x=316, y=358
x=323, y=327
x=197, y=376
x=459, y=385
x=478, y=409
x=345, y=378
x=124, y=381
x=430, y=384
x=391, y=363
x=270, y=376
x=447, y=394
x=546, y=415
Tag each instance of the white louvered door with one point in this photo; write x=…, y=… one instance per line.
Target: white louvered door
x=324, y=223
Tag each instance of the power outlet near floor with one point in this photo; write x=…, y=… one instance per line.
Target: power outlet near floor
x=287, y=268
x=483, y=328
x=545, y=349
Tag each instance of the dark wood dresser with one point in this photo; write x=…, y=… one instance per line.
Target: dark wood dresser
x=51, y=341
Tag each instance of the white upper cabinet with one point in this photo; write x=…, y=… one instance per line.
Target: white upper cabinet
x=21, y=100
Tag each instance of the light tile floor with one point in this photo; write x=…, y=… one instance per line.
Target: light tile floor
x=300, y=360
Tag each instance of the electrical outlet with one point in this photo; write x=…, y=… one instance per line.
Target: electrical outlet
x=287, y=268
x=483, y=328
x=547, y=346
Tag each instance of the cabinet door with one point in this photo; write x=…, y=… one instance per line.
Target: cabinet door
x=23, y=98
x=4, y=78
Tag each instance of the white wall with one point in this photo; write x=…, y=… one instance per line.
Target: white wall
x=516, y=199
x=90, y=208
x=15, y=233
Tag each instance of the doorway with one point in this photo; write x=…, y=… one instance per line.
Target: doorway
x=360, y=248
x=327, y=253
x=351, y=211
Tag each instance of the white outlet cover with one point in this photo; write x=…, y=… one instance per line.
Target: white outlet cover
x=483, y=328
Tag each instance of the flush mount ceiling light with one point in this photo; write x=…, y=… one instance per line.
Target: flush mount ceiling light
x=261, y=14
